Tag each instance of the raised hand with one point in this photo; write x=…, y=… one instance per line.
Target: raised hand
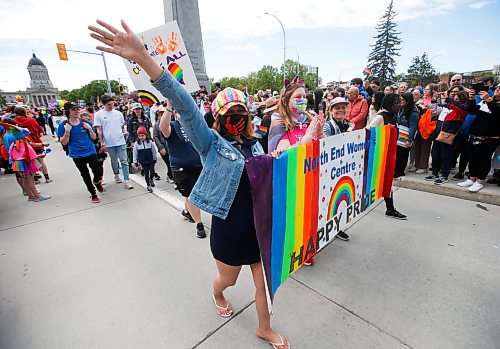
x=124, y=44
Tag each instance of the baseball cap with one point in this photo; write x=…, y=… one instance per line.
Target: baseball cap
x=137, y=106
x=69, y=105
x=227, y=98
x=338, y=100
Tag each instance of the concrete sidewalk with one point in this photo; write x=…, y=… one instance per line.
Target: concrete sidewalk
x=490, y=194
x=130, y=273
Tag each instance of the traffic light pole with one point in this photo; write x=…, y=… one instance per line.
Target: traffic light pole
x=108, y=85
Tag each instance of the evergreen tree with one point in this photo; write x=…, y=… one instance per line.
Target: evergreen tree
x=381, y=60
x=421, y=71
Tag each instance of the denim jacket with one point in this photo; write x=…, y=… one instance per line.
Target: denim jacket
x=223, y=164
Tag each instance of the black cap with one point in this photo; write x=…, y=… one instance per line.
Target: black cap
x=69, y=105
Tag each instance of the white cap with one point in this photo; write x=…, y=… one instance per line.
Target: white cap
x=137, y=106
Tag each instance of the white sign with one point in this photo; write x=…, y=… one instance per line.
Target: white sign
x=165, y=45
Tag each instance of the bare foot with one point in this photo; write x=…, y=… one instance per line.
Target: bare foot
x=273, y=338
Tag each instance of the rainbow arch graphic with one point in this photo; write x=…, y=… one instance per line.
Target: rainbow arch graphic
x=177, y=72
x=344, y=191
x=147, y=98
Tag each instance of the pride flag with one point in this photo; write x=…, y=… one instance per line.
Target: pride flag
x=317, y=189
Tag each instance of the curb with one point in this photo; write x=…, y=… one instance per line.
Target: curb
x=447, y=190
x=170, y=199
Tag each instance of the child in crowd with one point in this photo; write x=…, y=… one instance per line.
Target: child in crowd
x=145, y=154
x=24, y=162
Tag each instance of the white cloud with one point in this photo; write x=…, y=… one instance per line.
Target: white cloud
x=480, y=4
x=232, y=25
x=222, y=20
x=241, y=47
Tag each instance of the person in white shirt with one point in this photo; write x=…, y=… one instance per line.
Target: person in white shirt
x=112, y=131
x=152, y=112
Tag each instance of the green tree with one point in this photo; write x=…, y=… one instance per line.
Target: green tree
x=387, y=46
x=421, y=71
x=94, y=89
x=400, y=77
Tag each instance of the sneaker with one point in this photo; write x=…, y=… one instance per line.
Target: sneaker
x=129, y=185
x=396, y=214
x=37, y=181
x=431, y=178
x=309, y=262
x=466, y=183
x=187, y=215
x=48, y=180
x=170, y=180
x=99, y=187
x=420, y=171
x=118, y=179
x=157, y=177
x=95, y=199
x=42, y=198
x=412, y=169
x=441, y=180
x=150, y=189
x=153, y=183
x=476, y=187
x=458, y=176
x=200, y=231
x=342, y=235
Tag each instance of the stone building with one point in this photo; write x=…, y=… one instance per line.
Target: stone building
x=41, y=90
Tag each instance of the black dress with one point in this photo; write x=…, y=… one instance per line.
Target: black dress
x=233, y=240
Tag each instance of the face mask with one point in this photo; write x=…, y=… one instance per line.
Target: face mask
x=233, y=124
x=299, y=105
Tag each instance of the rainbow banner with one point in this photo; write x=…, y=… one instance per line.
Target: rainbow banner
x=317, y=189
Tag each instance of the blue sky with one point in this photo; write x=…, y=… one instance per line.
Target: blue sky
x=332, y=34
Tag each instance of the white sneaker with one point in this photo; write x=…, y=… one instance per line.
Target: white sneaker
x=420, y=171
x=466, y=183
x=118, y=179
x=476, y=187
x=129, y=185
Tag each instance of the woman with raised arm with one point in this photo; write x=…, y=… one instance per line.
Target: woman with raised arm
x=223, y=188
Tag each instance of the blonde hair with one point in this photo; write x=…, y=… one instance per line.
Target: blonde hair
x=283, y=109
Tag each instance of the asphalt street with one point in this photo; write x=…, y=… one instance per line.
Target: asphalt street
x=130, y=273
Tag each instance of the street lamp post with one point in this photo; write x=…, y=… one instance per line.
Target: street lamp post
x=298, y=58
x=284, y=46
x=108, y=85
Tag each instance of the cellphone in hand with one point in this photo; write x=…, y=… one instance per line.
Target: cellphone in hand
x=479, y=87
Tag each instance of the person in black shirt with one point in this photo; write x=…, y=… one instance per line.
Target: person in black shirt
x=185, y=164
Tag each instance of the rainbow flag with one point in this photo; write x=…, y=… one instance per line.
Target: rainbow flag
x=317, y=189
x=367, y=71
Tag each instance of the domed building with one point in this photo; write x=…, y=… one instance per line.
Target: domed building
x=41, y=90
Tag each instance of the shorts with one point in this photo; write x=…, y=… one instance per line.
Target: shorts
x=185, y=179
x=40, y=152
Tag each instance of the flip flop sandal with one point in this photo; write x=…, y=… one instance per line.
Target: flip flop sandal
x=278, y=345
x=223, y=311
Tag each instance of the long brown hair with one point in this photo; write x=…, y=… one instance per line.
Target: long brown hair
x=284, y=110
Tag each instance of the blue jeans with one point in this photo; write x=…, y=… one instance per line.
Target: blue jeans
x=119, y=152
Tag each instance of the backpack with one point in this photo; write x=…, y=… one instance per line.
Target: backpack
x=426, y=126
